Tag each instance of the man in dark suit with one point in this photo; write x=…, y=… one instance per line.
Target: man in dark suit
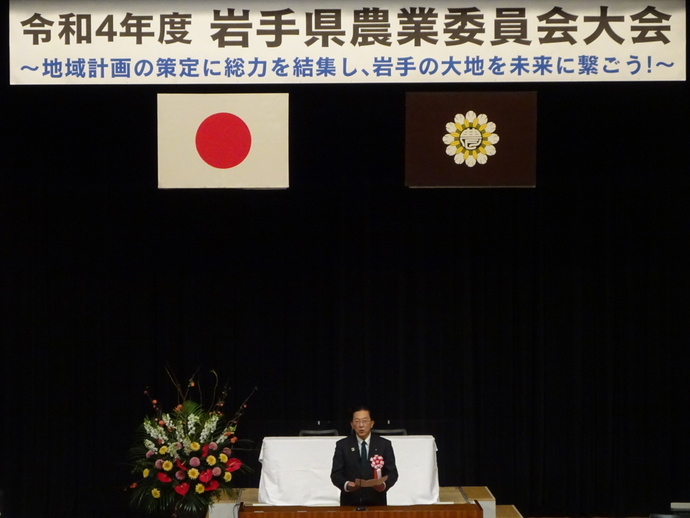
x=349, y=463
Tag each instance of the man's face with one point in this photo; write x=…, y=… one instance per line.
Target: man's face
x=362, y=423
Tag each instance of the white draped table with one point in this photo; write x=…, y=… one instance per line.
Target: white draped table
x=297, y=471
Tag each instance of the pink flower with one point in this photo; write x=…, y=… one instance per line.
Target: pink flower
x=212, y=446
x=180, y=475
x=217, y=471
x=227, y=451
x=194, y=462
x=149, y=454
x=159, y=464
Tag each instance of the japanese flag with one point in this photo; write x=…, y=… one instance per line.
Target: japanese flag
x=223, y=140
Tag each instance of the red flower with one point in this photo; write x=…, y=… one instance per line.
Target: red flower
x=180, y=465
x=204, y=451
x=182, y=489
x=212, y=486
x=233, y=464
x=163, y=477
x=206, y=475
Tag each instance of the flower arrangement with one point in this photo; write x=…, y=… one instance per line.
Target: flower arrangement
x=184, y=459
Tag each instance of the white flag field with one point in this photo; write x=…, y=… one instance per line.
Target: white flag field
x=223, y=141
x=131, y=42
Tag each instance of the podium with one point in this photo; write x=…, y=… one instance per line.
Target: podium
x=295, y=471
x=455, y=502
x=409, y=511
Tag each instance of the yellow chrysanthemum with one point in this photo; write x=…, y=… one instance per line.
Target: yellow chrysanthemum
x=195, y=446
x=193, y=473
x=163, y=450
x=228, y=476
x=223, y=458
x=211, y=460
x=199, y=488
x=167, y=465
x=146, y=472
x=155, y=493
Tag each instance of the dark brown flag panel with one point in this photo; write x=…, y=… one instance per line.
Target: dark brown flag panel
x=471, y=139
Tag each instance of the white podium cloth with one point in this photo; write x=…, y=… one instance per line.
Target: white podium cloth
x=297, y=471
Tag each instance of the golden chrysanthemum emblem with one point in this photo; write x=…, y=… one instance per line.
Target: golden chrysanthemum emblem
x=471, y=139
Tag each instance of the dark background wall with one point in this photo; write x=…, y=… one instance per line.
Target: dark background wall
x=539, y=334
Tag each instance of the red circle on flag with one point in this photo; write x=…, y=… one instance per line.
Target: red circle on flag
x=223, y=140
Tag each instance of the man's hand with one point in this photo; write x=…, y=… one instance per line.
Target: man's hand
x=353, y=486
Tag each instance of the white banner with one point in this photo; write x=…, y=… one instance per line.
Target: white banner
x=327, y=41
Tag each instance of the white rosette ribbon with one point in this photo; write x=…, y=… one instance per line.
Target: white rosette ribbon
x=377, y=464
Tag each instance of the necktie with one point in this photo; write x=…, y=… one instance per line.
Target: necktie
x=364, y=457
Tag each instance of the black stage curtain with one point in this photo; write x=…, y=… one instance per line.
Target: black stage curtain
x=539, y=334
